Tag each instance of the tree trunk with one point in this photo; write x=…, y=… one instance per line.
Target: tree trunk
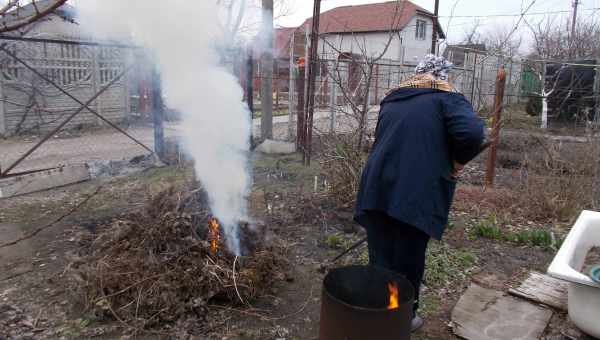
x=363, y=124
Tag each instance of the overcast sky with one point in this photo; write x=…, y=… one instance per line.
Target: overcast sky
x=456, y=27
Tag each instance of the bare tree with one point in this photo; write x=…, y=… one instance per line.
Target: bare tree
x=499, y=39
x=356, y=92
x=472, y=35
x=16, y=14
x=243, y=17
x=553, y=41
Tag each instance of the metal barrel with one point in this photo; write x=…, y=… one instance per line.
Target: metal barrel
x=354, y=305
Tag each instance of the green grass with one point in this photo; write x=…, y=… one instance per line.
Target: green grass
x=429, y=304
x=445, y=264
x=489, y=228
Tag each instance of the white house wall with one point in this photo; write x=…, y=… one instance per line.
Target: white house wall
x=416, y=49
x=404, y=47
x=373, y=43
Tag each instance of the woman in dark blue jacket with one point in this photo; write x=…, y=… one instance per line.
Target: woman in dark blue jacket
x=426, y=133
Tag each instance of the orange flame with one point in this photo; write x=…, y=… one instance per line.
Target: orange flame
x=214, y=234
x=393, y=288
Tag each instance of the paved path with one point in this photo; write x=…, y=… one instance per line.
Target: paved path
x=109, y=144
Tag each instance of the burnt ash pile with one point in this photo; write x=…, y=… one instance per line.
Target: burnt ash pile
x=156, y=267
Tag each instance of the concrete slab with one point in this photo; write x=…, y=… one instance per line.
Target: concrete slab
x=276, y=147
x=487, y=314
x=543, y=289
x=44, y=180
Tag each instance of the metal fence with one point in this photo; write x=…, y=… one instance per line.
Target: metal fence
x=342, y=83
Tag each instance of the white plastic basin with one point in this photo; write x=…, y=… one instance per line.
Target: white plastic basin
x=584, y=294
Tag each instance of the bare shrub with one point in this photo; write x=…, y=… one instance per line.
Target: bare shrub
x=342, y=161
x=561, y=181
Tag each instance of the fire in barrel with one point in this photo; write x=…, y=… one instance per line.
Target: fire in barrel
x=366, y=302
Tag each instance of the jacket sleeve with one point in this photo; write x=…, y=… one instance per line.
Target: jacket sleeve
x=465, y=129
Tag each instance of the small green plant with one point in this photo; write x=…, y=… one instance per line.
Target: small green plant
x=334, y=241
x=488, y=228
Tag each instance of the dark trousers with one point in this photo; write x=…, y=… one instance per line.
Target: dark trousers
x=399, y=247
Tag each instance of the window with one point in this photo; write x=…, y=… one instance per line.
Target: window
x=421, y=32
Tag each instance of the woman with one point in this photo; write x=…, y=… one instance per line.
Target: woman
x=426, y=133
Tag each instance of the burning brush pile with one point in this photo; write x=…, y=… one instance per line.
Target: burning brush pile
x=164, y=264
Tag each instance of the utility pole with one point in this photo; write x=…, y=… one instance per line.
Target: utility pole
x=434, y=36
x=266, y=72
x=573, y=29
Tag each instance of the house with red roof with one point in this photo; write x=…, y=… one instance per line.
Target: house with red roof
x=400, y=30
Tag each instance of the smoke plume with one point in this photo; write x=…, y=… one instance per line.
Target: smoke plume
x=183, y=36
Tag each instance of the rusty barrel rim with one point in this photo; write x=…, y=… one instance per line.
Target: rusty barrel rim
x=397, y=277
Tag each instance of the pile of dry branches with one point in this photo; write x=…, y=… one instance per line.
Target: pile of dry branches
x=155, y=267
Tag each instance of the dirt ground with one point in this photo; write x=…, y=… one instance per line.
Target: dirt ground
x=34, y=303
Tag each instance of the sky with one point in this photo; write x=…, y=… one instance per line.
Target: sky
x=455, y=27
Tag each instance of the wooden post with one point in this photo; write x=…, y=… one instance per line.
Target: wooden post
x=496, y=123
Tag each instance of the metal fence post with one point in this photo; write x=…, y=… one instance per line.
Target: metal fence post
x=496, y=124
x=250, y=90
x=301, y=116
x=597, y=94
x=158, y=115
x=96, y=80
x=333, y=101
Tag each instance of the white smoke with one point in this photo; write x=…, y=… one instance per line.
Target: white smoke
x=183, y=36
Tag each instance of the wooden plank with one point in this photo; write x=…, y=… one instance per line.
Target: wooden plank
x=487, y=314
x=25, y=184
x=543, y=289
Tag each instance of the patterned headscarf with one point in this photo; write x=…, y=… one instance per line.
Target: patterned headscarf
x=439, y=67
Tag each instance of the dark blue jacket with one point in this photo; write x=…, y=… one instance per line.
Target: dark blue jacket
x=408, y=174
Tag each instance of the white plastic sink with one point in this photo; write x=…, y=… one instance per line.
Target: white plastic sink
x=584, y=294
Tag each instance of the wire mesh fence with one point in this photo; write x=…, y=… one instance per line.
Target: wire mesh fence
x=344, y=83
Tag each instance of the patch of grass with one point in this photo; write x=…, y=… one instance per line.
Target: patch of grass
x=489, y=228
x=429, y=304
x=334, y=241
x=445, y=264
